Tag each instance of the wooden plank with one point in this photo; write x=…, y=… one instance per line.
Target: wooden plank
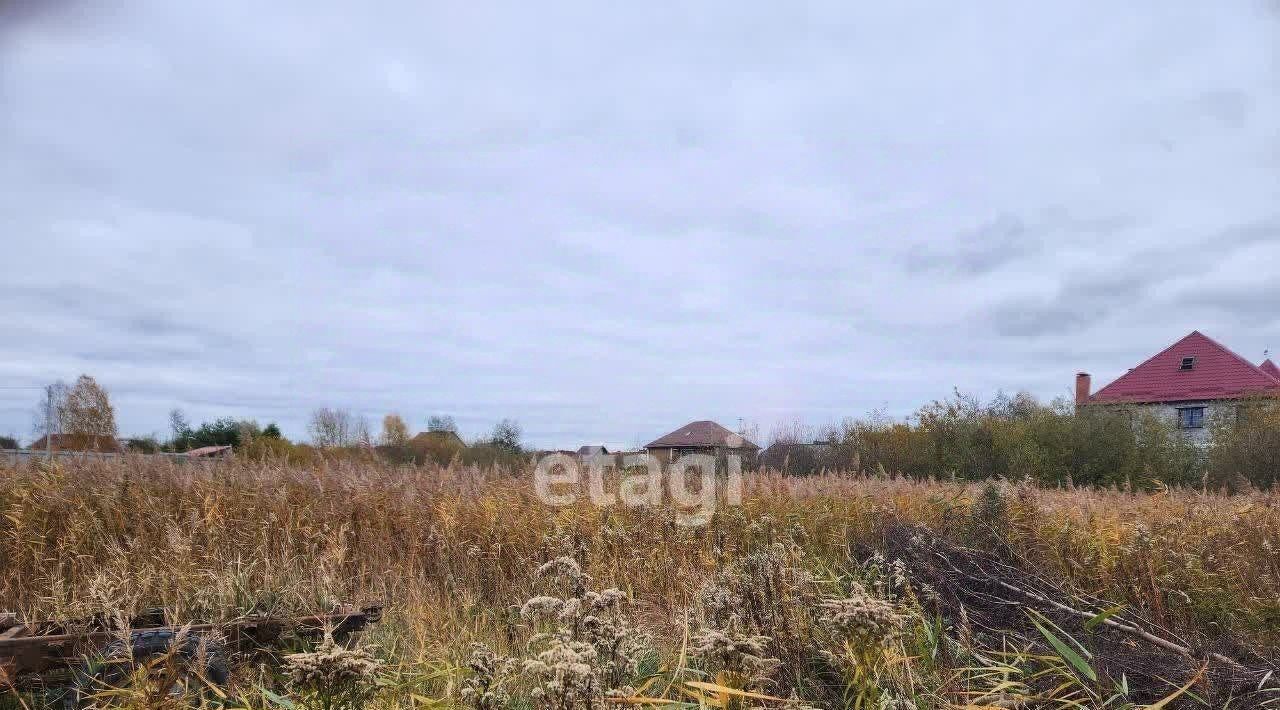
x=39, y=653
x=18, y=631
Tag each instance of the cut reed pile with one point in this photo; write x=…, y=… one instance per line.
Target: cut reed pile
x=808, y=592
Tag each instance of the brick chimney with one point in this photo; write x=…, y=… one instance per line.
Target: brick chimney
x=1084, y=383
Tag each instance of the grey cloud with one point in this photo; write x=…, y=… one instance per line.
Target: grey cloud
x=1265, y=230
x=602, y=220
x=1008, y=239
x=981, y=250
x=1080, y=302
x=1230, y=107
x=115, y=311
x=1149, y=280
x=1249, y=302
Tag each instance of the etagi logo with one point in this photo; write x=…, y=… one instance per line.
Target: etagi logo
x=694, y=483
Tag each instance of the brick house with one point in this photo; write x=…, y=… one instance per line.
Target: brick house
x=1189, y=383
x=702, y=437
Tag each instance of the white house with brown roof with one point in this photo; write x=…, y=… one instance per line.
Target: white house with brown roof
x=701, y=437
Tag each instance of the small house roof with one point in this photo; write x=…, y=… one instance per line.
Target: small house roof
x=701, y=433
x=445, y=436
x=205, y=451
x=78, y=442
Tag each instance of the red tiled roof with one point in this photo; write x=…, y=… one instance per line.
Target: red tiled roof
x=1218, y=373
x=1271, y=369
x=207, y=451
x=79, y=442
x=703, y=433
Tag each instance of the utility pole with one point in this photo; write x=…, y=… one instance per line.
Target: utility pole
x=48, y=422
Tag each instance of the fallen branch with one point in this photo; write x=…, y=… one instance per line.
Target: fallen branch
x=987, y=584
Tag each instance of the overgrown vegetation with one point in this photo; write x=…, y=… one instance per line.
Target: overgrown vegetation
x=829, y=591
x=1021, y=438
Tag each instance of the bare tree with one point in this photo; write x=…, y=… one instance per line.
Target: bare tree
x=179, y=427
x=48, y=416
x=332, y=427
x=443, y=422
x=506, y=436
x=360, y=432
x=246, y=431
x=796, y=447
x=394, y=431
x=793, y=432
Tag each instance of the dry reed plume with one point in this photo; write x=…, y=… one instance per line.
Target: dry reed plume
x=799, y=596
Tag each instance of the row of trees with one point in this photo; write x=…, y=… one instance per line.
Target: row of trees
x=81, y=411
x=226, y=431
x=338, y=431
x=83, y=416
x=1020, y=437
x=1015, y=437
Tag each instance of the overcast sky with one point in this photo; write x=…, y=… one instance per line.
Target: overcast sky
x=607, y=219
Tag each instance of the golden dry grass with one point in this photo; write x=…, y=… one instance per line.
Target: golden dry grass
x=451, y=550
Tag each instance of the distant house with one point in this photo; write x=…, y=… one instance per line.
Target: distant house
x=1187, y=383
x=439, y=447
x=78, y=442
x=597, y=454
x=445, y=438
x=701, y=437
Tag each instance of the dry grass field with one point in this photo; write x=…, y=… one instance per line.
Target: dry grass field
x=823, y=591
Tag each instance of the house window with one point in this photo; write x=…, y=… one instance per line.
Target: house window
x=1188, y=363
x=1191, y=418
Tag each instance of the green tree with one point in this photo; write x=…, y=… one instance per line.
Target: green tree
x=144, y=445
x=1246, y=445
x=227, y=431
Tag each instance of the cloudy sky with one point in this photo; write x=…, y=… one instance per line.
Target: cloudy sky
x=606, y=219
